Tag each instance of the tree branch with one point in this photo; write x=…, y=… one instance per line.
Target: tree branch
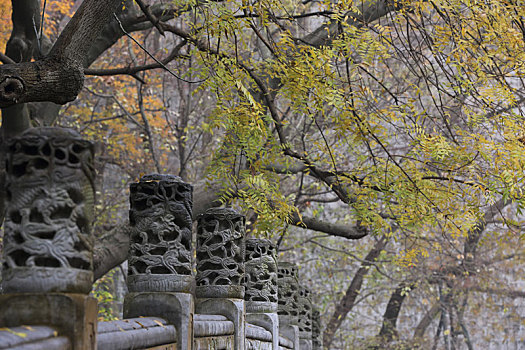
x=151, y=17
x=388, y=329
x=347, y=302
x=59, y=77
x=427, y=319
x=134, y=70
x=338, y=230
x=369, y=11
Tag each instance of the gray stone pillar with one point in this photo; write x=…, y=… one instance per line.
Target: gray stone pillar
x=317, y=331
x=160, y=277
x=220, y=267
x=261, y=286
x=48, y=244
x=288, y=307
x=305, y=319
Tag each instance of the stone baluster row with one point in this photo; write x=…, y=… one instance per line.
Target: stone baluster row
x=160, y=280
x=48, y=253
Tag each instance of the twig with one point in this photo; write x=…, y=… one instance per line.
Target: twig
x=42, y=23
x=147, y=127
x=151, y=17
x=153, y=57
x=136, y=69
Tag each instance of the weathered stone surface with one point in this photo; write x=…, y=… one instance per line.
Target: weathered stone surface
x=285, y=343
x=305, y=318
x=288, y=307
x=48, y=244
x=268, y=321
x=258, y=333
x=317, y=331
x=214, y=343
x=220, y=254
x=288, y=331
x=55, y=343
x=261, y=276
x=73, y=315
x=288, y=291
x=256, y=344
x=37, y=336
x=176, y=308
x=232, y=309
x=160, y=257
x=136, y=333
x=128, y=324
x=212, y=325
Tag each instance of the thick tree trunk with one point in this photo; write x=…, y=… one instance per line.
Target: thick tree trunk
x=59, y=77
x=51, y=79
x=388, y=329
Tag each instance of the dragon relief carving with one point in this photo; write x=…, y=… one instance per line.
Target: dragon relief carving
x=305, y=312
x=220, y=248
x=288, y=290
x=161, y=239
x=261, y=271
x=50, y=195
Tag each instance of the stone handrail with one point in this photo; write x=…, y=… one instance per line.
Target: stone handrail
x=240, y=297
x=135, y=333
x=36, y=337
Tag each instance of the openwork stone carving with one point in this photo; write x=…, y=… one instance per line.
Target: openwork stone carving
x=317, y=334
x=48, y=245
x=261, y=276
x=288, y=292
x=220, y=254
x=305, y=313
x=160, y=255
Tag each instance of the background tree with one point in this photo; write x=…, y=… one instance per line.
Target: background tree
x=395, y=123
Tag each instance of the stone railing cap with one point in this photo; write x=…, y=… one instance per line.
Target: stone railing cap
x=160, y=177
x=51, y=131
x=222, y=214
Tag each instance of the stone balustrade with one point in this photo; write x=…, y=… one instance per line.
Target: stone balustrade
x=48, y=244
x=239, y=297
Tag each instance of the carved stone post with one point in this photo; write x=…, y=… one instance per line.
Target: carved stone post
x=220, y=267
x=48, y=244
x=261, y=286
x=288, y=307
x=160, y=277
x=305, y=318
x=317, y=331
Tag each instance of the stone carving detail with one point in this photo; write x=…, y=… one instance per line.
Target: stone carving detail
x=288, y=291
x=160, y=256
x=305, y=313
x=317, y=333
x=220, y=253
x=261, y=276
x=48, y=244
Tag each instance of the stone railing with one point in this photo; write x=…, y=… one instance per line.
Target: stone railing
x=239, y=298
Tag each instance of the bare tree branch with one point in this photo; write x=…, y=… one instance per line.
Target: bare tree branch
x=427, y=319
x=388, y=329
x=150, y=16
x=348, y=301
x=175, y=53
x=338, y=230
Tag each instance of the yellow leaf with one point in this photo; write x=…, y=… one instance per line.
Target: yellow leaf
x=19, y=334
